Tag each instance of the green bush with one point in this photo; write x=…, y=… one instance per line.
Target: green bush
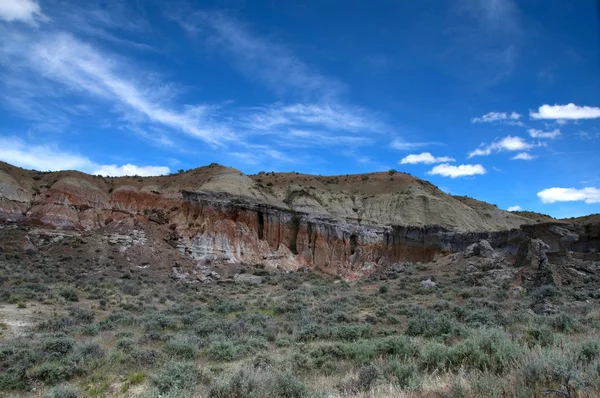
x=65, y=391
x=539, y=335
x=401, y=374
x=69, y=294
x=222, y=350
x=51, y=372
x=87, y=352
x=589, y=351
x=183, y=346
x=175, y=376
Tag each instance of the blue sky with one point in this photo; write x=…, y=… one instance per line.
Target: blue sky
x=497, y=99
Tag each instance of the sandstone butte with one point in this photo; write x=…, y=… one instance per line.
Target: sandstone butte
x=346, y=225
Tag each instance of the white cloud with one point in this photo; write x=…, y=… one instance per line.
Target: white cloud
x=330, y=116
x=514, y=208
x=129, y=169
x=51, y=158
x=307, y=138
x=447, y=170
x=496, y=117
x=79, y=67
x=588, y=195
x=523, y=156
x=27, y=11
x=42, y=157
x=508, y=143
x=402, y=145
x=425, y=158
x=542, y=134
x=569, y=111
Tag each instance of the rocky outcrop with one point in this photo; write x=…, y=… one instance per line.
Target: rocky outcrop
x=342, y=225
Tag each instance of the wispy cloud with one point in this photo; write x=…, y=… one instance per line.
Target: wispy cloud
x=330, y=116
x=508, y=143
x=403, y=145
x=588, y=195
x=425, y=158
x=463, y=170
x=496, y=117
x=80, y=68
x=523, y=156
x=534, y=133
x=514, y=208
x=268, y=61
x=569, y=111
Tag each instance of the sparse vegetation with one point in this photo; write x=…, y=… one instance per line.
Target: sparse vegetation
x=298, y=334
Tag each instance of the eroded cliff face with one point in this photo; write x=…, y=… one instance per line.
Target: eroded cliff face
x=216, y=215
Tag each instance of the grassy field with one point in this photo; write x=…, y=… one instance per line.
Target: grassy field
x=129, y=333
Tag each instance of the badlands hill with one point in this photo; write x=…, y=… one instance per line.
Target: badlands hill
x=344, y=225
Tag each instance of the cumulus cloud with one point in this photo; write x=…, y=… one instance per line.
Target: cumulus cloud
x=569, y=111
x=552, y=195
x=42, y=157
x=496, y=117
x=508, y=143
x=51, y=158
x=425, y=158
x=129, y=169
x=448, y=170
x=523, y=156
x=534, y=133
x=514, y=208
x=27, y=11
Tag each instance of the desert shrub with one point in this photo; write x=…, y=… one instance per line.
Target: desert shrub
x=367, y=376
x=175, y=376
x=589, y=351
x=183, y=345
x=397, y=346
x=486, y=351
x=130, y=288
x=82, y=315
x=227, y=306
x=565, y=323
x=90, y=330
x=242, y=383
x=250, y=383
x=69, y=294
x=59, y=324
x=87, y=352
x=352, y=332
x=310, y=332
x=429, y=324
x=434, y=356
x=116, y=319
x=544, y=292
x=554, y=370
x=539, y=335
x=64, y=391
x=51, y=372
x=222, y=350
x=401, y=374
x=125, y=344
x=56, y=346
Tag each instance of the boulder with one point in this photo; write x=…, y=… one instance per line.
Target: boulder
x=427, y=284
x=532, y=255
x=479, y=249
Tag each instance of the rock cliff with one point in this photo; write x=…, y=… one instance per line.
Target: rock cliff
x=346, y=225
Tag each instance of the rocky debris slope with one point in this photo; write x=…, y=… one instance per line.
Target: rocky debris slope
x=347, y=225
